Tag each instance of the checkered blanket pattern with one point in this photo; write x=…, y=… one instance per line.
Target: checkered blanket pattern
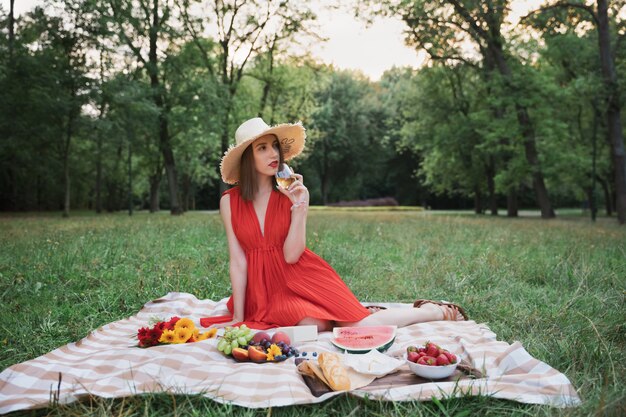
x=107, y=363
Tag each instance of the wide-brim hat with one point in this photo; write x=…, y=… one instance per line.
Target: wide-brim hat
x=290, y=135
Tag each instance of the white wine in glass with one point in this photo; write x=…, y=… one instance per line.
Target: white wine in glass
x=284, y=176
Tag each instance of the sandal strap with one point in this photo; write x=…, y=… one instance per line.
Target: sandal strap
x=450, y=313
x=421, y=302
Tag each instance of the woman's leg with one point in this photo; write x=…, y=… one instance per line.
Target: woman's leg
x=402, y=317
x=322, y=325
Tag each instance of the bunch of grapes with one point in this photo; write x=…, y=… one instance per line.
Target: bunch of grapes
x=287, y=351
x=234, y=337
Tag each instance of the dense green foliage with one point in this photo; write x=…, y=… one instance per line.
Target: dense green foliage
x=556, y=288
x=102, y=97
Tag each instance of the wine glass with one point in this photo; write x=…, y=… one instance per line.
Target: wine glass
x=284, y=176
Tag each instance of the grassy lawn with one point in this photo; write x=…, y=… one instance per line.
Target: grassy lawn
x=557, y=286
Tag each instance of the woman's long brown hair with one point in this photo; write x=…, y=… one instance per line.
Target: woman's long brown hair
x=247, y=172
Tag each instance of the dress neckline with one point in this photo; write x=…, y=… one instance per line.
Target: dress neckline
x=256, y=217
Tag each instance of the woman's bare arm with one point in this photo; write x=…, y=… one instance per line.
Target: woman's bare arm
x=238, y=264
x=295, y=243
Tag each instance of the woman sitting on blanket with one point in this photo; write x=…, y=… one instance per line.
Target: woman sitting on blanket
x=276, y=280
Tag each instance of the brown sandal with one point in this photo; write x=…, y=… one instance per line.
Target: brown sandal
x=375, y=309
x=450, y=316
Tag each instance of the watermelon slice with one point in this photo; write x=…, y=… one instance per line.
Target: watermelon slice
x=363, y=339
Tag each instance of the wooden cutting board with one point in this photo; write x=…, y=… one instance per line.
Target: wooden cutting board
x=403, y=377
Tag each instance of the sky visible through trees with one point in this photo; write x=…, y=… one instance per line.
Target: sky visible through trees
x=110, y=102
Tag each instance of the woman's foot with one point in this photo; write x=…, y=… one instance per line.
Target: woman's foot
x=443, y=312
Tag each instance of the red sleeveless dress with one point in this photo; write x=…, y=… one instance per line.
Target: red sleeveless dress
x=278, y=293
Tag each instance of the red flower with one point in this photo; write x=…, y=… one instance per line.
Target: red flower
x=155, y=334
x=142, y=333
x=170, y=325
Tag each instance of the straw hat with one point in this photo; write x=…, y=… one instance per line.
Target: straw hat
x=290, y=135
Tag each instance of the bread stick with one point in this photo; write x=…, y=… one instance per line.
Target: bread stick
x=335, y=373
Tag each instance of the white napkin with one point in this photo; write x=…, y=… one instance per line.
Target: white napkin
x=372, y=363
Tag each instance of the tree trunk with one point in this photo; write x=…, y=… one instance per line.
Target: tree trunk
x=130, y=178
x=511, y=203
x=99, y=139
x=268, y=82
x=478, y=201
x=491, y=186
x=530, y=147
x=608, y=203
x=164, y=135
x=112, y=202
x=66, y=159
x=616, y=137
x=99, y=173
x=324, y=186
x=324, y=174
x=11, y=30
x=186, y=192
x=155, y=182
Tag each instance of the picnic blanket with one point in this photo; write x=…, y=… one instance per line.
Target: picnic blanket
x=108, y=363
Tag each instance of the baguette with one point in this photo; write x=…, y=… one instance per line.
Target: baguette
x=335, y=373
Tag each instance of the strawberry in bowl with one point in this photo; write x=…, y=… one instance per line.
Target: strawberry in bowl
x=431, y=361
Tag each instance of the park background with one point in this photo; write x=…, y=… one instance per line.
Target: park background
x=106, y=103
x=509, y=105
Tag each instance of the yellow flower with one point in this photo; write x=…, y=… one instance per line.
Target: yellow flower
x=168, y=336
x=184, y=323
x=273, y=351
x=207, y=335
x=182, y=335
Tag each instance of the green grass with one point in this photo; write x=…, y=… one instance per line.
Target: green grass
x=557, y=286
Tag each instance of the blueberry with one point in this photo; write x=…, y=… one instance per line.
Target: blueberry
x=303, y=353
x=314, y=353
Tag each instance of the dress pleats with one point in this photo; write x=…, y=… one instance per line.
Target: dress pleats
x=278, y=293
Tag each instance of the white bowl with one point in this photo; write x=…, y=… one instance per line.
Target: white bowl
x=432, y=372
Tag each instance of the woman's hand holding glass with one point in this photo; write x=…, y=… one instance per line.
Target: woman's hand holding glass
x=296, y=191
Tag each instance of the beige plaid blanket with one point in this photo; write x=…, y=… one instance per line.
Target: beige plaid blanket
x=108, y=364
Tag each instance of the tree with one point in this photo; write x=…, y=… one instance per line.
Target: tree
x=243, y=28
x=599, y=16
x=46, y=89
x=138, y=23
x=344, y=138
x=443, y=29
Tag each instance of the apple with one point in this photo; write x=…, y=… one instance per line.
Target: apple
x=240, y=355
x=256, y=354
x=281, y=337
x=258, y=336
